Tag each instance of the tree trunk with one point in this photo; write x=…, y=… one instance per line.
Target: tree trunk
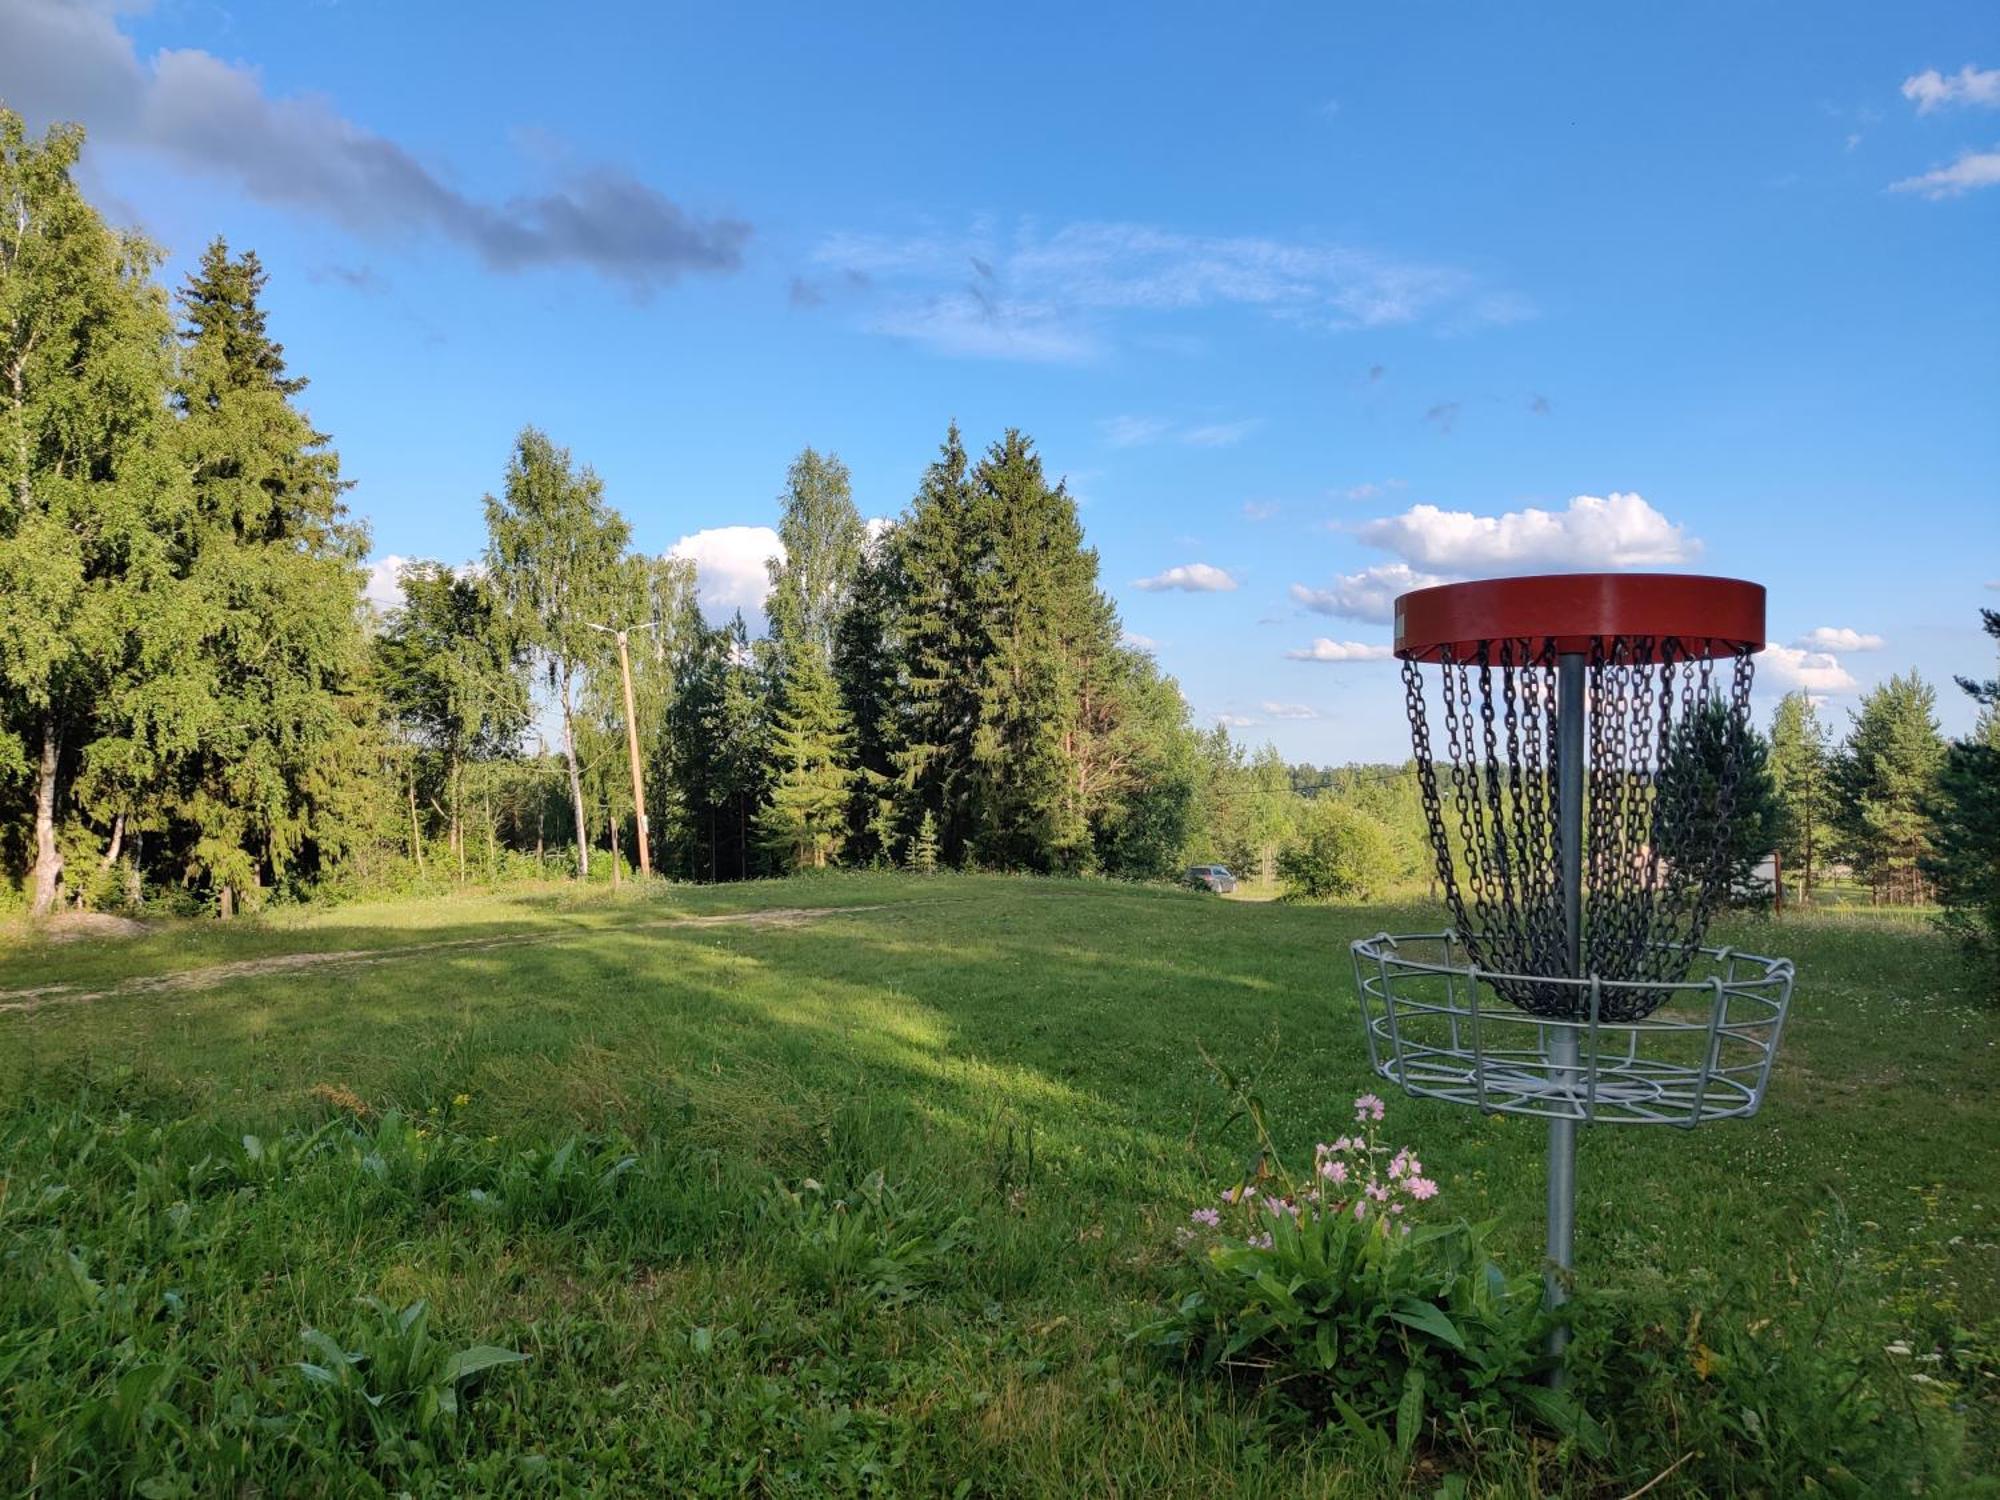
x=458, y=817
x=575, y=788
x=611, y=819
x=228, y=902
x=416, y=834
x=117, y=842
x=48, y=858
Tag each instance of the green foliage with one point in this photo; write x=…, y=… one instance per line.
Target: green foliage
x=92, y=504
x=1801, y=764
x=1342, y=854
x=1887, y=778
x=923, y=858
x=395, y=1396
x=1705, y=753
x=1965, y=861
x=875, y=1239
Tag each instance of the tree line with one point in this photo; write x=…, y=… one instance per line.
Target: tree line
x=197, y=704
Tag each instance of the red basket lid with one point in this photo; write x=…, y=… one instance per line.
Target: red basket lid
x=1575, y=611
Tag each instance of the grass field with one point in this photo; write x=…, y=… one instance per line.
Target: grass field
x=1022, y=1062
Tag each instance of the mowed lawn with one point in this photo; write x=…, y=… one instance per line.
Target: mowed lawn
x=1021, y=1061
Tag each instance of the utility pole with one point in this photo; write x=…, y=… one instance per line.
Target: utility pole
x=632, y=745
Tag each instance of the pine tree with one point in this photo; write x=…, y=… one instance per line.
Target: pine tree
x=273, y=570
x=1802, y=772
x=1887, y=778
x=1965, y=863
x=555, y=550
x=90, y=499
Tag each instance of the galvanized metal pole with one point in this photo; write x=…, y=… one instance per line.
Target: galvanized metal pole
x=1560, y=1041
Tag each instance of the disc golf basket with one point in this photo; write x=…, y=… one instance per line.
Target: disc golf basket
x=1579, y=760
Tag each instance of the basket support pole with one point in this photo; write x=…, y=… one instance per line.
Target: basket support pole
x=1560, y=1040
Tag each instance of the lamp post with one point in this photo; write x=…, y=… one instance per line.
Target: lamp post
x=632, y=740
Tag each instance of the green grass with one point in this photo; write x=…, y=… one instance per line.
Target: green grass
x=1021, y=1059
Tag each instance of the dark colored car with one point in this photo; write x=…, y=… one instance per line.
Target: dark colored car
x=1211, y=878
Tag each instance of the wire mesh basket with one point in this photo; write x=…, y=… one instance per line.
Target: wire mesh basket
x=1440, y=1027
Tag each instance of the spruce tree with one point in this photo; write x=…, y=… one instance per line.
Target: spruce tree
x=938, y=648
x=91, y=500
x=923, y=858
x=805, y=822
x=1049, y=669
x=864, y=669
x=1802, y=772
x=1965, y=862
x=273, y=569
x=1887, y=778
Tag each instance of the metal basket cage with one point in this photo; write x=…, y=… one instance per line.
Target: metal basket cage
x=1440, y=1027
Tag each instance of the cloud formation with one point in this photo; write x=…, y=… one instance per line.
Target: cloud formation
x=1134, y=432
x=63, y=61
x=1290, y=710
x=1323, y=649
x=1188, y=578
x=1616, y=531
x=729, y=567
x=1838, y=638
x=384, y=588
x=1814, y=671
x=1973, y=170
x=1368, y=595
x=1056, y=295
x=1931, y=89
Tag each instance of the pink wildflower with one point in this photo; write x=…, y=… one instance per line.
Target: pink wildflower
x=1206, y=1216
x=1334, y=1172
x=1360, y=1208
x=1259, y=1242
x=1421, y=1188
x=1376, y=1191
x=1230, y=1195
x=1367, y=1107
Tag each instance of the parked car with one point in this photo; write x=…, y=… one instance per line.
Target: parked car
x=1211, y=878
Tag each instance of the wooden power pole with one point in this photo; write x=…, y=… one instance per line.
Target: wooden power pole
x=632, y=745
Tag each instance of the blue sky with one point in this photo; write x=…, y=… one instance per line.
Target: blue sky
x=1307, y=302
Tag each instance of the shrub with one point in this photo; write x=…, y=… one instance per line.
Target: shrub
x=1342, y=854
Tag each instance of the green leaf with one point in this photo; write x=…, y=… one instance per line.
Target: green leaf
x=1430, y=1318
x=1560, y=1411
x=478, y=1357
x=1410, y=1412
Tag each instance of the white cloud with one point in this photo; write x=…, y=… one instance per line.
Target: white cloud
x=1130, y=432
x=1931, y=89
x=1220, y=434
x=1234, y=721
x=1259, y=510
x=1972, y=170
x=1053, y=295
x=1188, y=578
x=1290, y=710
x=1815, y=671
x=207, y=116
x=1323, y=649
x=729, y=567
x=384, y=588
x=1140, y=642
x=1838, y=638
x=875, y=527
x=1618, y=531
x=1368, y=595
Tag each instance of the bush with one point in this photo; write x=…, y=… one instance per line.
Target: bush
x=1342, y=854
x=1325, y=1294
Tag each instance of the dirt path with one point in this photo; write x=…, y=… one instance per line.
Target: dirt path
x=190, y=980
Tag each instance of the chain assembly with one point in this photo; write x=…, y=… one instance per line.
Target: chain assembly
x=1667, y=722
